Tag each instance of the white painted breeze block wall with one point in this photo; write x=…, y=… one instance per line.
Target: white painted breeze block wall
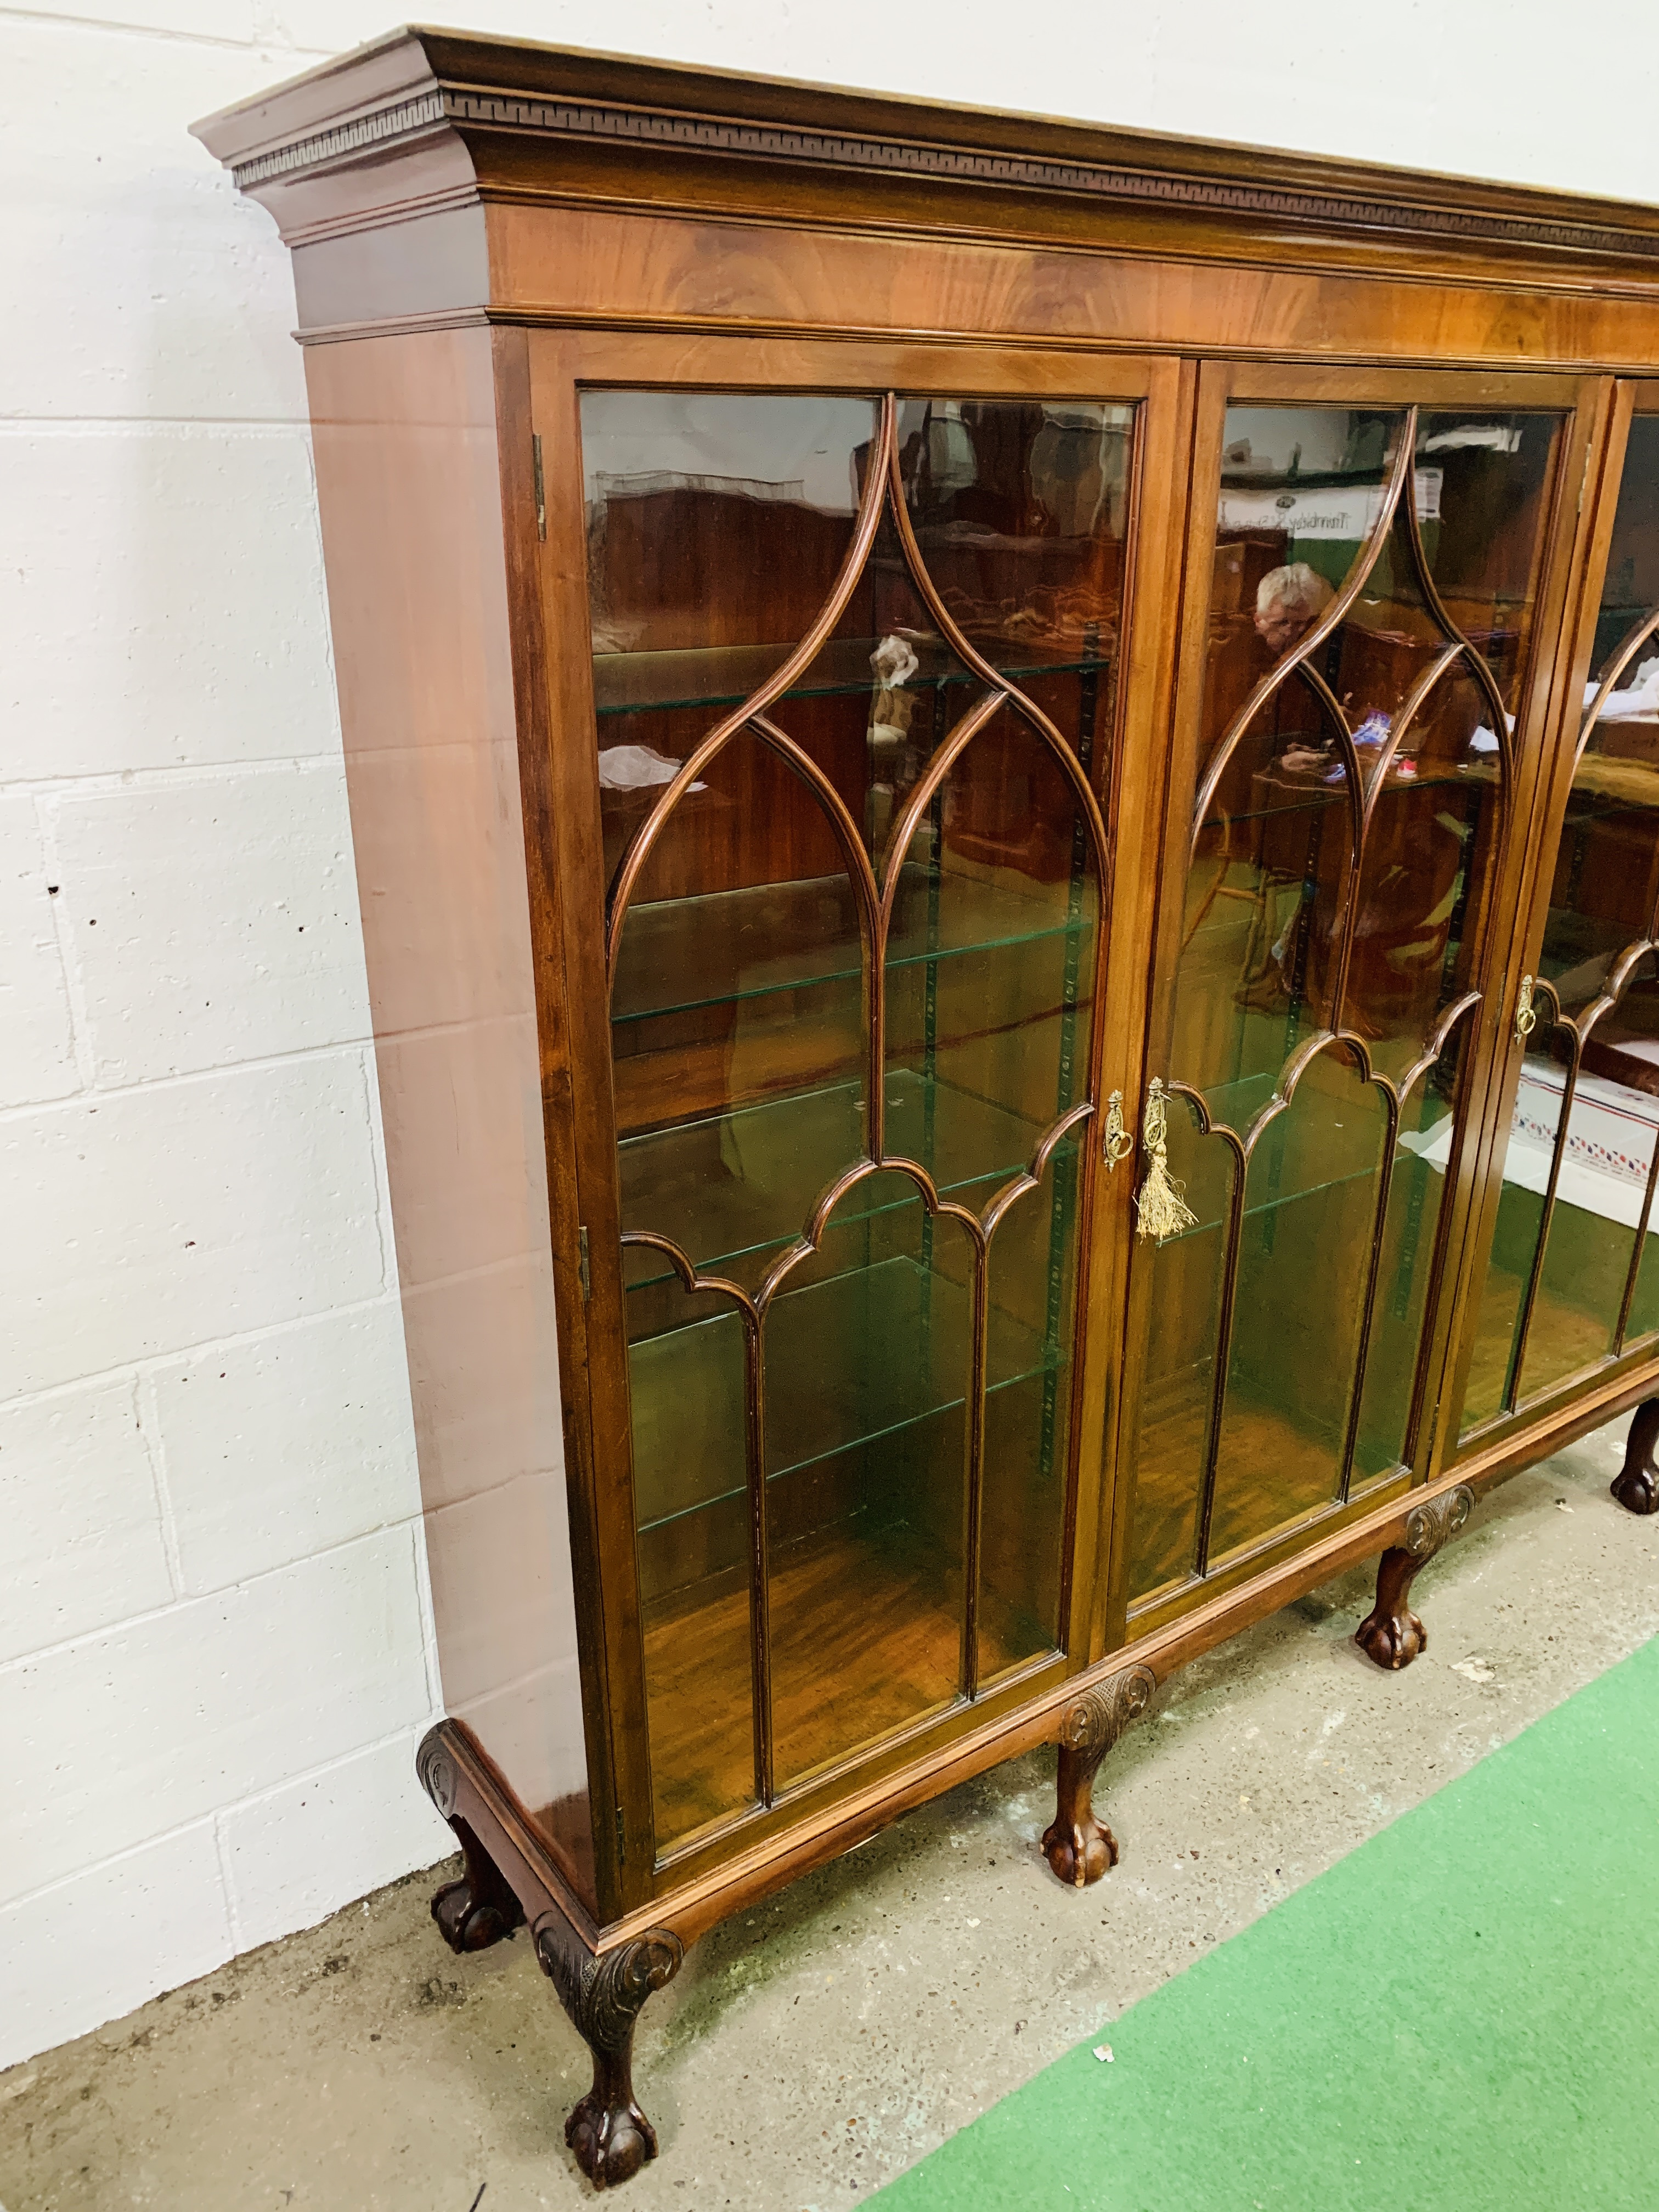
x=215, y=1649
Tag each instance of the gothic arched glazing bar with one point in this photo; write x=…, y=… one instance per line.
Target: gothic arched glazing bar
x=1300, y=657
x=1577, y=1029
x=1337, y=722
x=754, y=1469
x=882, y=494
x=1458, y=650
x=632, y=861
x=866, y=900
x=1629, y=647
x=1638, y=1246
x=1000, y=692
x=1241, y=1144
x=806, y=1244
x=1395, y=1098
x=1624, y=968
x=956, y=742
x=1025, y=707
x=1363, y=792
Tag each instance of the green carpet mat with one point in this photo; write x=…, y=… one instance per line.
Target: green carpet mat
x=1461, y=2014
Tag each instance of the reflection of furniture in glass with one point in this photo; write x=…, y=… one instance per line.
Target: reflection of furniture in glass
x=1328, y=1081
x=1569, y=1284
x=819, y=752
x=1595, y=1192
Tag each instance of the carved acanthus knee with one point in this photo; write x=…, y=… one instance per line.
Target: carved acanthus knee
x=1391, y=1634
x=603, y=1995
x=1078, y=1846
x=1636, y=1486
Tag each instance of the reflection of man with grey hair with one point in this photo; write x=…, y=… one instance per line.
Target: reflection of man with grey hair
x=1289, y=601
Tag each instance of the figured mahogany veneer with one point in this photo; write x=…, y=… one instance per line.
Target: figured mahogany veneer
x=1167, y=844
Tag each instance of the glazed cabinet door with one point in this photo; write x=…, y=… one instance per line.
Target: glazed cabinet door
x=1375, y=566
x=1567, y=1278
x=854, y=678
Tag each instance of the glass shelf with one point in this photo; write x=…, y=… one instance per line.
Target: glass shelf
x=871, y=1353
x=1311, y=798
x=736, y=1188
x=1606, y=783
x=726, y=675
x=681, y=954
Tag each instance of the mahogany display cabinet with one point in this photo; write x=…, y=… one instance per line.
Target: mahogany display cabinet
x=1006, y=784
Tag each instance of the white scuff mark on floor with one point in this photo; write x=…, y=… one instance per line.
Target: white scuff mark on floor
x=1474, y=1670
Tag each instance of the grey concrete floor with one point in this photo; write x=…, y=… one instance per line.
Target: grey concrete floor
x=810, y=2051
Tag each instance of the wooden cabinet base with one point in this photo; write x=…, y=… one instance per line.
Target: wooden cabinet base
x=604, y=1974
x=603, y=1978
x=1391, y=1633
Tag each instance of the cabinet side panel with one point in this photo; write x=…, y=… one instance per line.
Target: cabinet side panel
x=408, y=481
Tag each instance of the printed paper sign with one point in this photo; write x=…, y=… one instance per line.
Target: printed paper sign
x=1348, y=513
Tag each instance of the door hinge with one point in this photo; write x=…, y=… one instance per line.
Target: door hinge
x=622, y=1838
x=584, y=1274
x=541, y=489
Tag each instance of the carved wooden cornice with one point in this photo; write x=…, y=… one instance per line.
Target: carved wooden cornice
x=387, y=127
x=417, y=87
x=404, y=120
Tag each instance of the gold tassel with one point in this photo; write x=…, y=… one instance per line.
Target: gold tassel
x=1160, y=1209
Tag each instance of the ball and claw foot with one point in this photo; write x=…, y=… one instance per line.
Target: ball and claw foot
x=1079, y=1852
x=1392, y=1635
x=1636, y=1486
x=468, y=1922
x=1079, y=1847
x=611, y=2136
x=480, y=1909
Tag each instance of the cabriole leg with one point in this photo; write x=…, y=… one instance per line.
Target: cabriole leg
x=1078, y=1847
x=1636, y=1486
x=603, y=1995
x=480, y=1908
x=1391, y=1633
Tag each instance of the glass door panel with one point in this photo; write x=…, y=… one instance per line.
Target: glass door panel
x=1375, y=576
x=1572, y=1279
x=855, y=664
